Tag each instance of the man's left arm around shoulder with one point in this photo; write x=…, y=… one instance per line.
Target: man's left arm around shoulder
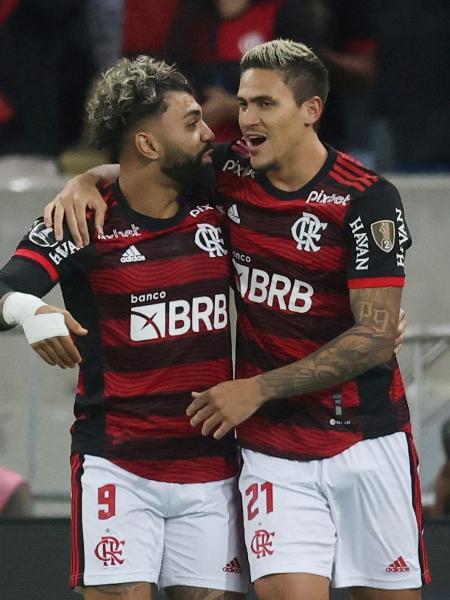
x=368, y=343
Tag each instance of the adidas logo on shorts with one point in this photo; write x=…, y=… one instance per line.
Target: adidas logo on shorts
x=132, y=254
x=398, y=566
x=233, y=566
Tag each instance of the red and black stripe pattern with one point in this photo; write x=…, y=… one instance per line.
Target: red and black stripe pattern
x=153, y=294
x=295, y=256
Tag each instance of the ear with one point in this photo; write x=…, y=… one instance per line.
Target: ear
x=147, y=145
x=313, y=110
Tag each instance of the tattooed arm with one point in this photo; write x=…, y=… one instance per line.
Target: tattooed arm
x=368, y=343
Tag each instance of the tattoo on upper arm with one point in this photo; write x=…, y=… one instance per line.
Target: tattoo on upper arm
x=368, y=343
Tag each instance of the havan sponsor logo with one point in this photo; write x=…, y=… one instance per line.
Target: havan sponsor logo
x=361, y=244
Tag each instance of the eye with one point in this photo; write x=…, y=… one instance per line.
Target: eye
x=264, y=103
x=192, y=125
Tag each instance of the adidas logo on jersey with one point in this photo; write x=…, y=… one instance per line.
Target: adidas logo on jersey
x=233, y=566
x=233, y=214
x=398, y=566
x=132, y=254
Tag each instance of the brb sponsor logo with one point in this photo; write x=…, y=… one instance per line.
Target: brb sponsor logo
x=322, y=198
x=307, y=232
x=177, y=317
x=258, y=286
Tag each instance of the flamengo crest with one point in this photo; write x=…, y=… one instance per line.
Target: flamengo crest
x=307, y=232
x=208, y=238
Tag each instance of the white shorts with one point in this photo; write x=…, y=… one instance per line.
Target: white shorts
x=354, y=518
x=126, y=528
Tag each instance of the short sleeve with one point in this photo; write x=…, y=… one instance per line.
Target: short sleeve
x=379, y=237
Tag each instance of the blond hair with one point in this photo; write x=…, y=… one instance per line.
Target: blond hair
x=302, y=70
x=126, y=93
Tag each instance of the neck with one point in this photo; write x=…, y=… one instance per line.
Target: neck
x=300, y=165
x=149, y=192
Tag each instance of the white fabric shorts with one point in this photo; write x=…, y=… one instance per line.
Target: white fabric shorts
x=126, y=528
x=354, y=518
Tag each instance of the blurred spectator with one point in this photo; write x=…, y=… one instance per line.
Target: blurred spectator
x=105, y=24
x=146, y=26
x=209, y=38
x=441, y=506
x=15, y=497
x=413, y=84
x=45, y=67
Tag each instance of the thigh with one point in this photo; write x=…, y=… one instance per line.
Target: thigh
x=287, y=521
x=374, y=496
x=117, y=525
x=182, y=592
x=204, y=545
x=293, y=586
x=122, y=591
x=373, y=594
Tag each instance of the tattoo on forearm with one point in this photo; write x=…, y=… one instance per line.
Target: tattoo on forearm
x=368, y=343
x=181, y=592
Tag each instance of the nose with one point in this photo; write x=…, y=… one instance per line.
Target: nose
x=207, y=133
x=248, y=117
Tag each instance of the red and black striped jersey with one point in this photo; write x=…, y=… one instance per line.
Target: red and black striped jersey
x=295, y=256
x=154, y=295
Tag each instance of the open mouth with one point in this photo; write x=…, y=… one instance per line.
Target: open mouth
x=207, y=156
x=255, y=139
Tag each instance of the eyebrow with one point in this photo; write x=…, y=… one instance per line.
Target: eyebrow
x=195, y=111
x=256, y=99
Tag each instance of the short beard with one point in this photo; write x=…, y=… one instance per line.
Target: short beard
x=183, y=168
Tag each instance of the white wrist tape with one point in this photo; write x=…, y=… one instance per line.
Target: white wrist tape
x=18, y=307
x=42, y=327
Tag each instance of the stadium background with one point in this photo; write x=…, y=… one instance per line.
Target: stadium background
x=411, y=141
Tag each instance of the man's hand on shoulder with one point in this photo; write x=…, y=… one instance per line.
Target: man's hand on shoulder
x=79, y=195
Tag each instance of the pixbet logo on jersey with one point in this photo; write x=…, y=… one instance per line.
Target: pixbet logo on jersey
x=177, y=317
x=258, y=286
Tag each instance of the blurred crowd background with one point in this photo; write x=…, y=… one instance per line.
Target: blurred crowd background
x=388, y=60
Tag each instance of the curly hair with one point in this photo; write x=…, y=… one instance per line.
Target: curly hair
x=303, y=71
x=126, y=93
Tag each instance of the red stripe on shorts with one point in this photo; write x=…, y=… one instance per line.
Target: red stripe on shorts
x=417, y=506
x=77, y=551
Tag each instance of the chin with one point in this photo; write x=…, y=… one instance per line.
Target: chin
x=262, y=166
